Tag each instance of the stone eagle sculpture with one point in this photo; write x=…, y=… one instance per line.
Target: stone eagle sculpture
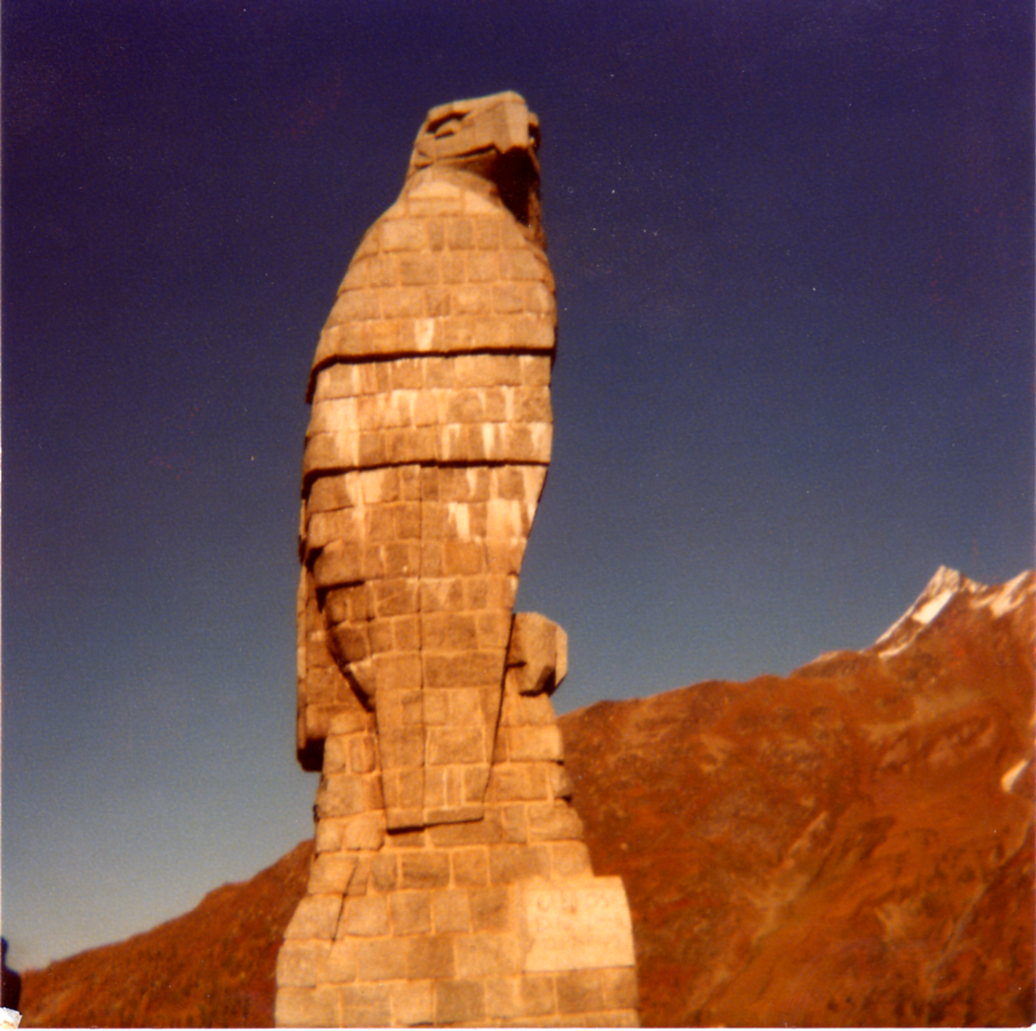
x=425, y=457
x=450, y=883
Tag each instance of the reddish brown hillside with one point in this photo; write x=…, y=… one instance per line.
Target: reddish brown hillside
x=212, y=967
x=848, y=845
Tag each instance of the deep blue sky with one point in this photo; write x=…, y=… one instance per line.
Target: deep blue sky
x=793, y=246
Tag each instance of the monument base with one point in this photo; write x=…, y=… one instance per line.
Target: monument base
x=530, y=954
x=498, y=921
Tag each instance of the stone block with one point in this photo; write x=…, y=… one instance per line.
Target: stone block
x=394, y=596
x=537, y=742
x=495, y=400
x=428, y=956
x=406, y=374
x=362, y=754
x=435, y=784
x=400, y=745
x=511, y=863
x=463, y=558
x=435, y=523
x=491, y=909
x=398, y=670
x=316, y=916
x=554, y=821
x=364, y=1005
x=483, y=267
x=361, y=876
x=489, y=370
x=513, y=298
x=459, y=1002
x=465, y=706
x=489, y=230
x=340, y=795
x=411, y=912
x=329, y=836
x=406, y=630
x=305, y=1007
x=400, y=707
x=476, y=777
x=336, y=753
x=451, y=911
x=363, y=832
x=460, y=234
x=330, y=872
x=302, y=963
x=379, y=520
x=522, y=263
x=380, y=959
x=341, y=962
x=470, y=867
x=402, y=234
x=378, y=633
x=338, y=380
x=518, y=782
x=531, y=332
x=536, y=996
x=329, y=452
x=338, y=562
x=501, y=999
x=504, y=519
x=350, y=643
x=444, y=594
x=329, y=496
x=425, y=870
x=471, y=299
x=570, y=859
x=487, y=955
x=455, y=744
x=384, y=871
x=418, y=270
x=579, y=991
x=400, y=560
x=514, y=825
x=577, y=925
x=413, y=1004
x=493, y=591
x=366, y=916
x=333, y=415
x=469, y=669
x=448, y=630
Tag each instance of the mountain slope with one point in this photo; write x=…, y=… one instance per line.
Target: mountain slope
x=211, y=967
x=847, y=845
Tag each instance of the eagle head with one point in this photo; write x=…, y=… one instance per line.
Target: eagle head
x=495, y=138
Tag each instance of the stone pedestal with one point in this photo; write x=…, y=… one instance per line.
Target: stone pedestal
x=496, y=921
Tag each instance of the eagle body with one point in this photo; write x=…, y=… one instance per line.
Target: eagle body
x=425, y=456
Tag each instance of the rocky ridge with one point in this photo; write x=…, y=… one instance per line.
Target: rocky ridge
x=848, y=845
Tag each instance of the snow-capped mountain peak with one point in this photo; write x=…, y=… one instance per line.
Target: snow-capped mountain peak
x=946, y=585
